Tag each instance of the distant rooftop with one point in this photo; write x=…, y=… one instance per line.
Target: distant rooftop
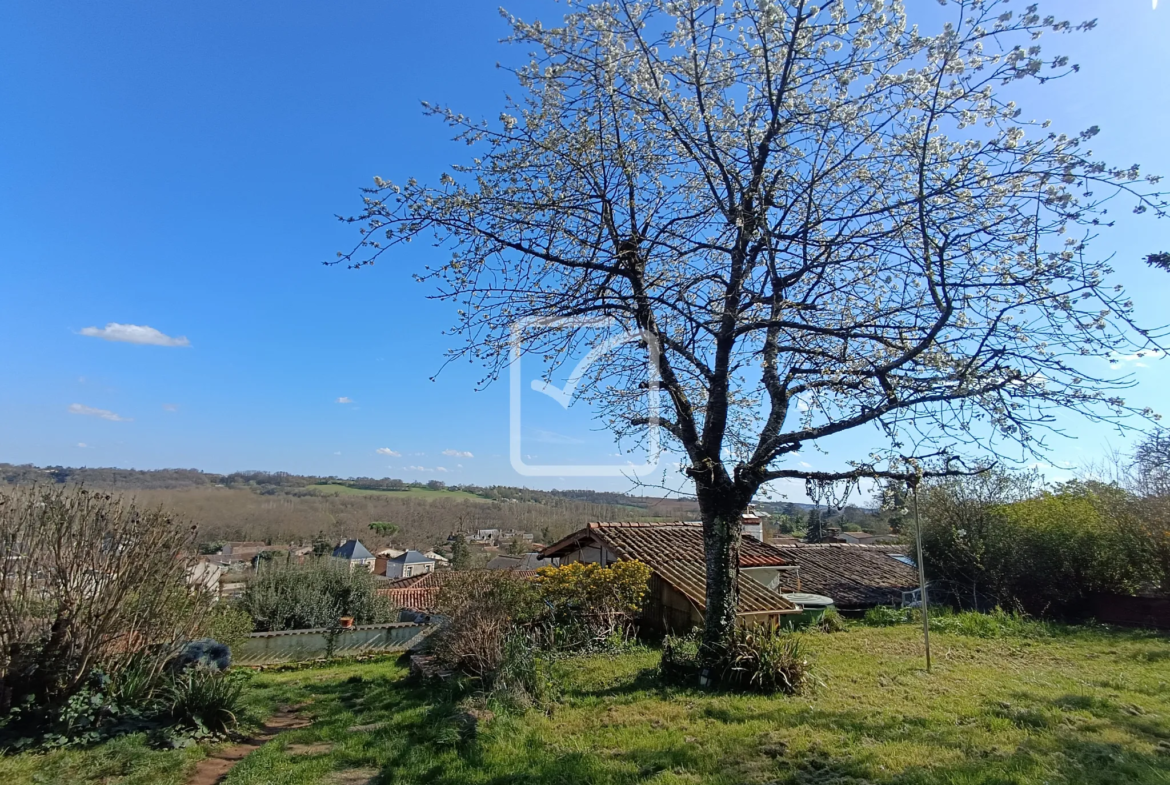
x=352, y=549
x=411, y=557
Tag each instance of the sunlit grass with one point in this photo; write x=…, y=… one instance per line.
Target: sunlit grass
x=1087, y=707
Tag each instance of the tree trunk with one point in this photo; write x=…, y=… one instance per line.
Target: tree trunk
x=722, y=534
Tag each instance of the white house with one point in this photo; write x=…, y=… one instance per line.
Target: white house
x=408, y=565
x=356, y=554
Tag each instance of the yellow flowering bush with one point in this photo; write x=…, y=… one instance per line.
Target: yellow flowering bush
x=579, y=588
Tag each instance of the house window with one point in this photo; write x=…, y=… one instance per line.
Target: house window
x=903, y=558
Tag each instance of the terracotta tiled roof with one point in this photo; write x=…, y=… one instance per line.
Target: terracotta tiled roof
x=674, y=551
x=416, y=581
x=855, y=576
x=423, y=600
x=421, y=592
x=690, y=578
x=662, y=541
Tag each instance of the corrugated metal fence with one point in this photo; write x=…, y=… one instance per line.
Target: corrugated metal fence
x=270, y=648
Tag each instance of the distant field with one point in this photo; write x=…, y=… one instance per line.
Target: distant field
x=330, y=489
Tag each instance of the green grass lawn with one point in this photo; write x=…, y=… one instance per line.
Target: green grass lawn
x=1087, y=707
x=329, y=489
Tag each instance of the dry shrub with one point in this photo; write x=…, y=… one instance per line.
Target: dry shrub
x=481, y=609
x=90, y=581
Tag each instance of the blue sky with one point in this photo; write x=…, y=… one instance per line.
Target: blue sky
x=179, y=166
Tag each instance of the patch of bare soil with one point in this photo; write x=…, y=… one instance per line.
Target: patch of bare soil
x=215, y=767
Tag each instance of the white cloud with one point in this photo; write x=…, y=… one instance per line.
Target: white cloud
x=82, y=445
x=806, y=465
x=552, y=437
x=170, y=407
x=105, y=414
x=343, y=399
x=134, y=333
x=427, y=469
x=1116, y=359
x=458, y=454
x=388, y=451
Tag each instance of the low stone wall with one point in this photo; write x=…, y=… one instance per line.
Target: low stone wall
x=270, y=648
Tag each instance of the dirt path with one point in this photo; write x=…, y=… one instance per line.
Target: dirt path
x=215, y=767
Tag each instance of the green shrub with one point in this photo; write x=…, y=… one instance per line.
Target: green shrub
x=287, y=596
x=885, y=616
x=764, y=659
x=989, y=544
x=831, y=621
x=135, y=684
x=521, y=680
x=996, y=624
x=680, y=659
x=756, y=659
x=103, y=707
x=204, y=700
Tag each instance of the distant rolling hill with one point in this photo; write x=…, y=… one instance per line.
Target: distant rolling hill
x=283, y=507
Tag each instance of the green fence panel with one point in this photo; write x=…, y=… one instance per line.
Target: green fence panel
x=270, y=648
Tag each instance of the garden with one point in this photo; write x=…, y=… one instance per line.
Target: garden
x=116, y=671
x=1007, y=702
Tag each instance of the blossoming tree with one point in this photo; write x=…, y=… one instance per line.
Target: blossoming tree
x=821, y=219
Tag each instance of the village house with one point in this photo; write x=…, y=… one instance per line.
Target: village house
x=674, y=553
x=206, y=574
x=498, y=536
x=439, y=559
x=409, y=564
x=356, y=554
